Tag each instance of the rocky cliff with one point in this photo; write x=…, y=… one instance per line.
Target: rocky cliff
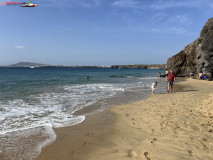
x=197, y=56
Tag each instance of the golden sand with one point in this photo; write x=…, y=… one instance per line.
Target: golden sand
x=170, y=126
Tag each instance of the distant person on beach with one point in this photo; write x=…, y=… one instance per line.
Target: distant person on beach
x=166, y=73
x=159, y=74
x=199, y=76
x=154, y=86
x=191, y=74
x=171, y=81
x=87, y=77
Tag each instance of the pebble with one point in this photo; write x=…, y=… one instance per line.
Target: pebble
x=132, y=153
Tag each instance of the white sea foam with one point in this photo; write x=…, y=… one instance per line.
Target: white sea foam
x=53, y=109
x=48, y=131
x=144, y=78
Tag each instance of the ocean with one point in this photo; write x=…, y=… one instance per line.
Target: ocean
x=34, y=101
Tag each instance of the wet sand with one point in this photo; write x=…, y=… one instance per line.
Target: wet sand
x=170, y=126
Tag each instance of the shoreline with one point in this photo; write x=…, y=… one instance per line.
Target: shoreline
x=78, y=141
x=163, y=126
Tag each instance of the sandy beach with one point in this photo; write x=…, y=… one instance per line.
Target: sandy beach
x=170, y=126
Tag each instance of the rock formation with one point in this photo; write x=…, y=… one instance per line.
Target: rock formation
x=196, y=57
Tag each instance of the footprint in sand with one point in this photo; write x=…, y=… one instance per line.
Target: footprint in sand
x=116, y=151
x=73, y=153
x=190, y=152
x=153, y=132
x=99, y=128
x=89, y=134
x=154, y=140
x=146, y=154
x=87, y=143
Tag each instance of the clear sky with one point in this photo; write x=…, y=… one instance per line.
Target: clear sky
x=100, y=32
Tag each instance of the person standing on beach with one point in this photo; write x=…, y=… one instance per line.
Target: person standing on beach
x=171, y=80
x=199, y=76
x=154, y=86
x=166, y=73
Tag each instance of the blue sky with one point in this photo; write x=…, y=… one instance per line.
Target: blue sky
x=100, y=32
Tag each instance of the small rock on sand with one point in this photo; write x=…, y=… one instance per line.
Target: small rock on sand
x=132, y=153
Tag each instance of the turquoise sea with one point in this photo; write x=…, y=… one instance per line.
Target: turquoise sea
x=33, y=101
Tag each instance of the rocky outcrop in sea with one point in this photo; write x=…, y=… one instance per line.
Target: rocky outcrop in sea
x=197, y=56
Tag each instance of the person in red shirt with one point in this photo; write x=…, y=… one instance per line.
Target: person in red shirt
x=171, y=81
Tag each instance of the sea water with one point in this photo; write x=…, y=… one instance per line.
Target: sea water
x=34, y=101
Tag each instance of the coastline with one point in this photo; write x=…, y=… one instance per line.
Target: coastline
x=164, y=126
x=79, y=141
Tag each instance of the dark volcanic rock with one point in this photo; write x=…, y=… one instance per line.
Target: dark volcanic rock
x=197, y=56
